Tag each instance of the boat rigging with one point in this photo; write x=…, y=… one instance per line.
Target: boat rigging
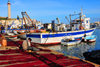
x=26, y=17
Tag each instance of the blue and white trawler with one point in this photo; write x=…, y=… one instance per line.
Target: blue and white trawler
x=79, y=28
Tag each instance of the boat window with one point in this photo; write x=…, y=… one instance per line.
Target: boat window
x=87, y=21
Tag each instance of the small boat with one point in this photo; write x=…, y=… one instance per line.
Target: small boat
x=10, y=34
x=69, y=42
x=91, y=38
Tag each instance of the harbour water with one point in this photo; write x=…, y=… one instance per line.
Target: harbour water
x=79, y=49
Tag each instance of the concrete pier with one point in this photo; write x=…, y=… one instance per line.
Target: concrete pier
x=12, y=56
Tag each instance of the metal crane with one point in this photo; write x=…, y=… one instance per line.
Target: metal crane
x=67, y=18
x=58, y=20
x=26, y=16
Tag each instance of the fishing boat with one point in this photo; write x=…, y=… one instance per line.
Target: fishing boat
x=91, y=38
x=56, y=37
x=70, y=42
x=78, y=28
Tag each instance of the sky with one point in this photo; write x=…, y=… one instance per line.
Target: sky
x=48, y=10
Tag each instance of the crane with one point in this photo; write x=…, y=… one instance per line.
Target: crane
x=58, y=20
x=67, y=18
x=26, y=16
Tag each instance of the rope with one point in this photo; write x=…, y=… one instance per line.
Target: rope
x=47, y=38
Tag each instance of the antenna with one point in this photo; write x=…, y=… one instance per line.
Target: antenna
x=82, y=16
x=81, y=11
x=67, y=18
x=8, y=1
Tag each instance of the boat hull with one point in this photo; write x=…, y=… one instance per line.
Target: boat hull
x=71, y=43
x=92, y=40
x=55, y=38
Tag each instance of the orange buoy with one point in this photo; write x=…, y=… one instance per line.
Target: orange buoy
x=4, y=42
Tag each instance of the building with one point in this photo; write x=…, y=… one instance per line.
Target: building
x=5, y=21
x=97, y=23
x=16, y=23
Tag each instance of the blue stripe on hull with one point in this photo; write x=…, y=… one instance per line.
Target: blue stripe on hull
x=65, y=34
x=58, y=34
x=34, y=36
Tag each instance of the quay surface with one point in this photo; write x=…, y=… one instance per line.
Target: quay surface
x=12, y=56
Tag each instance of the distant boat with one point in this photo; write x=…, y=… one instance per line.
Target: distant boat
x=98, y=27
x=69, y=42
x=91, y=38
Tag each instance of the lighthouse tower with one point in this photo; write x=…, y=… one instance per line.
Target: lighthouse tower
x=9, y=9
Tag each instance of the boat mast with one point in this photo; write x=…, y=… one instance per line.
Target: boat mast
x=24, y=19
x=5, y=26
x=70, y=22
x=27, y=18
x=81, y=17
x=81, y=13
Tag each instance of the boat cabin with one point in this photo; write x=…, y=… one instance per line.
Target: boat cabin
x=85, y=24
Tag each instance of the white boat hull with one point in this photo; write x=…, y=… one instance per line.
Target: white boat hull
x=92, y=40
x=10, y=34
x=55, y=38
x=70, y=43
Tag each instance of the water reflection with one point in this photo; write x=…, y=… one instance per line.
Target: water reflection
x=77, y=50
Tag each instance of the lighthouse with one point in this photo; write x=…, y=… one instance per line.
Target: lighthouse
x=9, y=9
